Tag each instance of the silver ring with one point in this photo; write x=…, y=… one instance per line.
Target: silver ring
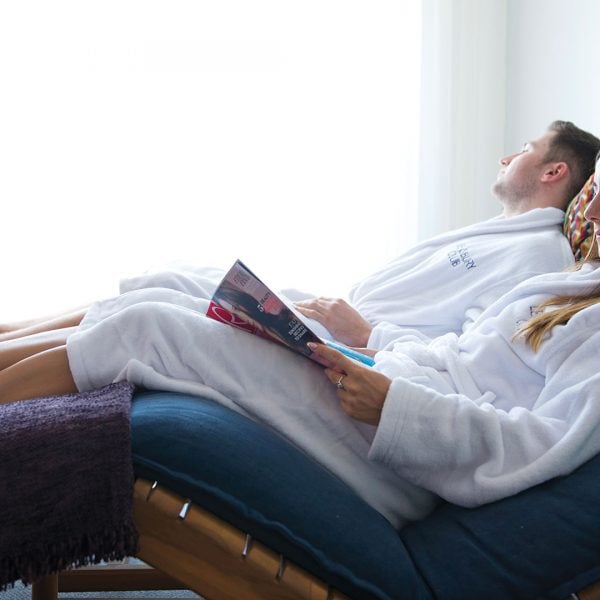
x=339, y=385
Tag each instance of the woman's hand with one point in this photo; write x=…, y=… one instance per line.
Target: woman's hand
x=341, y=320
x=361, y=390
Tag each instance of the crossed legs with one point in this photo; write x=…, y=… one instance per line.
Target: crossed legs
x=12, y=331
x=35, y=365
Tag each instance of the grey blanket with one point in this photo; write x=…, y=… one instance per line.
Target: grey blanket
x=66, y=483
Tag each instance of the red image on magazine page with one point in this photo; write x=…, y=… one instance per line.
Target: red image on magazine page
x=224, y=315
x=244, y=301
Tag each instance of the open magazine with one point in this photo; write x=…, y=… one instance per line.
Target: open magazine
x=244, y=301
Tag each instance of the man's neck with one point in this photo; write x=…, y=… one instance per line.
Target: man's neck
x=513, y=209
x=523, y=205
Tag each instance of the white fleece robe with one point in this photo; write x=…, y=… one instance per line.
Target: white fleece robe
x=479, y=417
x=470, y=419
x=439, y=286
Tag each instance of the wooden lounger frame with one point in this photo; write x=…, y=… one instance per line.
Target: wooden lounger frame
x=190, y=548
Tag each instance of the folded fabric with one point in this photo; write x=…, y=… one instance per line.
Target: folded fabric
x=578, y=230
x=66, y=482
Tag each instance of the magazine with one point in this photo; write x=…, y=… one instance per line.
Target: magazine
x=244, y=301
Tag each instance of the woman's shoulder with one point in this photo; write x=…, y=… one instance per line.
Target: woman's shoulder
x=575, y=281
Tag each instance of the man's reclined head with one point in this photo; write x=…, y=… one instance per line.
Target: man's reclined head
x=548, y=171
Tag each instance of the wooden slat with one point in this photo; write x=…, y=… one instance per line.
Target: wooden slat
x=205, y=553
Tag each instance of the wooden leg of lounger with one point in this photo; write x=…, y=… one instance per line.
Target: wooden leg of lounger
x=116, y=577
x=45, y=588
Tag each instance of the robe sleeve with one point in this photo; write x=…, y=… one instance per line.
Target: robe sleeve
x=385, y=334
x=470, y=453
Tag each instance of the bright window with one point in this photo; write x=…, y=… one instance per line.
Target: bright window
x=137, y=132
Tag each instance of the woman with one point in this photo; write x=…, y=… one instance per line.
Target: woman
x=471, y=419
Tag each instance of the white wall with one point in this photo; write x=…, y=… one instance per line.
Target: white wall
x=135, y=133
x=463, y=111
x=551, y=66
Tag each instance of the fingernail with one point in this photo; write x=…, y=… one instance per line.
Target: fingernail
x=311, y=345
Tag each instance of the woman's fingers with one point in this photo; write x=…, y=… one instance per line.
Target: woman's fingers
x=339, y=361
x=361, y=390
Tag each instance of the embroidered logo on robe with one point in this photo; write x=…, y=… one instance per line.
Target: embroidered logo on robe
x=461, y=256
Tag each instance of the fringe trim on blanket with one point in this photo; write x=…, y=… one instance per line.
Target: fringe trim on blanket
x=51, y=558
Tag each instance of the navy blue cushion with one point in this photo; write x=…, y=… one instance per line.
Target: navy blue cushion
x=249, y=476
x=541, y=543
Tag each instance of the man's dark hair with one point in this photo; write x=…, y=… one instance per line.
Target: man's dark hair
x=577, y=148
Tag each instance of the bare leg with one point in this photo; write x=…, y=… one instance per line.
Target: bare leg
x=25, y=328
x=44, y=374
x=13, y=351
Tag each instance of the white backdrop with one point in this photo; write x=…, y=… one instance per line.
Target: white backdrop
x=463, y=111
x=552, y=66
x=138, y=132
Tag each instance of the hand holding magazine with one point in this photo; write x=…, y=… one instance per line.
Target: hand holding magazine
x=244, y=301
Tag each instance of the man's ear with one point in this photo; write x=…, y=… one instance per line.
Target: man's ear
x=555, y=171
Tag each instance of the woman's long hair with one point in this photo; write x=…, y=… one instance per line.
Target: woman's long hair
x=538, y=328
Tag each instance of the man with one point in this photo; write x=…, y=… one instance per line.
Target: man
x=443, y=284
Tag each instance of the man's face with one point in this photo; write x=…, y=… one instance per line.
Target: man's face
x=520, y=173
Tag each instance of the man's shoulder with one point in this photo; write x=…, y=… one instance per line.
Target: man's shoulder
x=543, y=251
x=536, y=217
x=542, y=220
x=506, y=233
x=550, y=240
x=535, y=251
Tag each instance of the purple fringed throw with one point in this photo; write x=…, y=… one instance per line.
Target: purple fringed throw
x=66, y=483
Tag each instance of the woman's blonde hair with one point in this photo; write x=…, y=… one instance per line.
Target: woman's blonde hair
x=538, y=328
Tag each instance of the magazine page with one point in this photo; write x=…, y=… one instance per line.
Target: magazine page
x=244, y=301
